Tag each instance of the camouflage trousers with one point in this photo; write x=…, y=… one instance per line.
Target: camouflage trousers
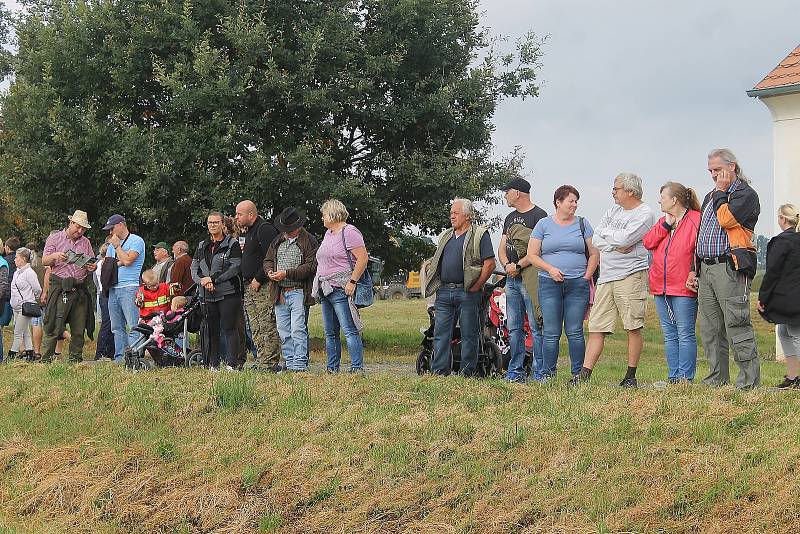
x=261, y=317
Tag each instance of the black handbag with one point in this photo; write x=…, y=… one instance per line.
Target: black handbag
x=30, y=309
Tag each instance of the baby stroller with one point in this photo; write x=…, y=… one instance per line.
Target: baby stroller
x=489, y=357
x=163, y=346
x=498, y=327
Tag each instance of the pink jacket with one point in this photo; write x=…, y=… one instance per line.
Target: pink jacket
x=672, y=255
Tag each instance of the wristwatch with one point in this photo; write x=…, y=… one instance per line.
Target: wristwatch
x=353, y=282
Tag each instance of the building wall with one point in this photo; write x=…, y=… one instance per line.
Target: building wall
x=785, y=110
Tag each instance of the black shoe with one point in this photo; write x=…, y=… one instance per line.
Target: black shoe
x=12, y=355
x=674, y=381
x=629, y=383
x=581, y=378
x=789, y=383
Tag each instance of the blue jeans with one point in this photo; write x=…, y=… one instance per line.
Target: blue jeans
x=563, y=305
x=518, y=305
x=452, y=302
x=124, y=314
x=336, y=314
x=678, y=316
x=291, y=321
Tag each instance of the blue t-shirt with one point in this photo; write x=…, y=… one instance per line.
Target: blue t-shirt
x=563, y=246
x=128, y=275
x=451, y=263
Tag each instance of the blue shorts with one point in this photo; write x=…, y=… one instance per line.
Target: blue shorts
x=37, y=321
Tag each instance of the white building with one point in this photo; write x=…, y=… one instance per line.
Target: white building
x=780, y=92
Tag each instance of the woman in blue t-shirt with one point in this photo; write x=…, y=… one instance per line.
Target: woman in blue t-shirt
x=566, y=259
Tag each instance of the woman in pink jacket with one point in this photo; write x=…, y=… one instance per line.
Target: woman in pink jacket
x=672, y=241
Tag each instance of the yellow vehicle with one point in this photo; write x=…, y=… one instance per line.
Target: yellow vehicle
x=402, y=287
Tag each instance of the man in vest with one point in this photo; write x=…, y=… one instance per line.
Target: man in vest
x=464, y=260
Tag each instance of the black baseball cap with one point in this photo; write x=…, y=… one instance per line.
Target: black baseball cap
x=519, y=184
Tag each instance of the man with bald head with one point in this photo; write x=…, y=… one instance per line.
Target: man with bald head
x=255, y=237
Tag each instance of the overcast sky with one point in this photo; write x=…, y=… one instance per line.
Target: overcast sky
x=642, y=86
x=647, y=87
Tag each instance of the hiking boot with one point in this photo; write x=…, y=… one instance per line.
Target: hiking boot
x=629, y=383
x=789, y=383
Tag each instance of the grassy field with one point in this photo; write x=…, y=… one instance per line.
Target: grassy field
x=97, y=449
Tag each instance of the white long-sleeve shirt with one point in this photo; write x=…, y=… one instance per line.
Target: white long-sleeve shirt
x=620, y=229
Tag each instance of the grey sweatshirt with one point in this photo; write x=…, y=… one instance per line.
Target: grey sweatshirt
x=24, y=287
x=620, y=229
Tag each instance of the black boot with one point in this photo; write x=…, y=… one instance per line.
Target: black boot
x=12, y=354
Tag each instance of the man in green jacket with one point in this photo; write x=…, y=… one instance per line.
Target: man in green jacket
x=463, y=262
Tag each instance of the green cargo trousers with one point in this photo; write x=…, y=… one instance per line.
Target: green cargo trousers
x=261, y=316
x=724, y=308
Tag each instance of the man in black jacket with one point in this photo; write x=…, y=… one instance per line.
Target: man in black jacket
x=255, y=237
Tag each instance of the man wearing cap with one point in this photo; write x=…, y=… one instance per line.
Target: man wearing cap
x=128, y=250
x=255, y=237
x=290, y=264
x=69, y=300
x=519, y=300
x=163, y=263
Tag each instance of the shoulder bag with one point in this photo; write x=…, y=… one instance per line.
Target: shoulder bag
x=364, y=295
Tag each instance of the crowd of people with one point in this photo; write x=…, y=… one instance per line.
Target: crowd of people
x=258, y=278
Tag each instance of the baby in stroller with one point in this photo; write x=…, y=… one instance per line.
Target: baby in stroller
x=163, y=327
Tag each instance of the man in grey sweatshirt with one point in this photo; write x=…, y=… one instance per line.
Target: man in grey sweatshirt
x=622, y=287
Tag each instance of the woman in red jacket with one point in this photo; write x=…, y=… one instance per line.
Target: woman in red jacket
x=672, y=241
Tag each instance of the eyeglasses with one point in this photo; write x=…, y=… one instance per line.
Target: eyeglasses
x=617, y=188
x=214, y=222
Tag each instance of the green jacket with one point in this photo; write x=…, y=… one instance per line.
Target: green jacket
x=519, y=235
x=473, y=264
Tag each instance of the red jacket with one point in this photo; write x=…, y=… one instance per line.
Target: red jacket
x=673, y=255
x=152, y=302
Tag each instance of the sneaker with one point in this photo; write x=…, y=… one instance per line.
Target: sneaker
x=629, y=383
x=213, y=369
x=578, y=379
x=514, y=378
x=357, y=371
x=673, y=380
x=543, y=379
x=789, y=383
x=229, y=368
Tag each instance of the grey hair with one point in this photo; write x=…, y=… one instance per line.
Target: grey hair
x=466, y=206
x=728, y=157
x=630, y=183
x=25, y=253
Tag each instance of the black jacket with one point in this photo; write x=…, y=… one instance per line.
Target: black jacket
x=222, y=264
x=780, y=288
x=257, y=240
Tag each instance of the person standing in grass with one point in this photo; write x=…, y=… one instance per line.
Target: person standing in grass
x=725, y=265
x=672, y=241
x=519, y=303
x=463, y=261
x=216, y=269
x=779, y=296
x=335, y=284
x=622, y=285
x=24, y=288
x=290, y=264
x=558, y=247
x=5, y=307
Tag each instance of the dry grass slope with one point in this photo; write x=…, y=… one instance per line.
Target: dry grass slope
x=96, y=449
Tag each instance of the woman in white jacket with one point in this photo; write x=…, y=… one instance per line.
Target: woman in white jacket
x=24, y=288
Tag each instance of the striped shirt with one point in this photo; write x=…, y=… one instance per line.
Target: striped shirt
x=288, y=256
x=59, y=242
x=712, y=241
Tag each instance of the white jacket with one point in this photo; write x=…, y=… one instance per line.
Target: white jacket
x=24, y=287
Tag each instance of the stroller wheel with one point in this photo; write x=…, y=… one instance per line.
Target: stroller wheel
x=424, y=362
x=490, y=361
x=195, y=359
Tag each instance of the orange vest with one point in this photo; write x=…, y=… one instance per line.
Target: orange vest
x=151, y=302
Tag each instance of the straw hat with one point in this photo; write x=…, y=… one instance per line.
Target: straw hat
x=80, y=218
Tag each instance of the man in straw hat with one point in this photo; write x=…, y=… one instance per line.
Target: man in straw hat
x=69, y=299
x=290, y=265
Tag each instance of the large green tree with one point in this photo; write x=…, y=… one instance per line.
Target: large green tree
x=164, y=109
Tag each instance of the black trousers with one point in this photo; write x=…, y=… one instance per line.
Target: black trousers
x=221, y=318
x=105, y=339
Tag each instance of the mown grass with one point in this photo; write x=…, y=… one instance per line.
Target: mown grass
x=96, y=449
